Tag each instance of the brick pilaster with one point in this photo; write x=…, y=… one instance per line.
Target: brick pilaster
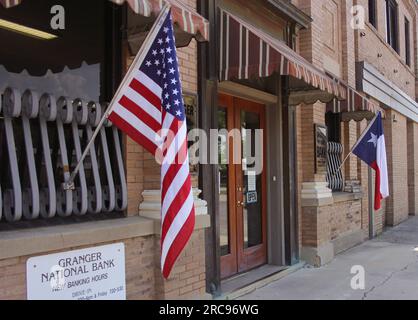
x=412, y=144
x=395, y=126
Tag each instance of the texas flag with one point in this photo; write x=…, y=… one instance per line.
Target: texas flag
x=371, y=148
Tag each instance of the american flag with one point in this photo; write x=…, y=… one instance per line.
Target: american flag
x=150, y=109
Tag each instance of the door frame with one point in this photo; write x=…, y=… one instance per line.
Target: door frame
x=239, y=259
x=210, y=88
x=245, y=254
x=230, y=262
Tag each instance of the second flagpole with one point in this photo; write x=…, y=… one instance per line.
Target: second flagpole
x=69, y=185
x=356, y=144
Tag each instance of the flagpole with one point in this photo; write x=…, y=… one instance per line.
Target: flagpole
x=356, y=144
x=69, y=185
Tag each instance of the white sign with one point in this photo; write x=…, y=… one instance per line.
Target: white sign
x=89, y=274
x=252, y=181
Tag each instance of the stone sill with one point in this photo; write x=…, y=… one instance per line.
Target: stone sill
x=202, y=222
x=37, y=241
x=346, y=196
x=337, y=197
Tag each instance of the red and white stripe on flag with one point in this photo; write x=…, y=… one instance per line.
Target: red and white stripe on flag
x=149, y=108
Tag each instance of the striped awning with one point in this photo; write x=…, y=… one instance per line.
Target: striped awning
x=184, y=16
x=10, y=3
x=355, y=107
x=246, y=52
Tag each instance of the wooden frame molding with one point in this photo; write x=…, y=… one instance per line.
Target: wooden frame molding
x=247, y=93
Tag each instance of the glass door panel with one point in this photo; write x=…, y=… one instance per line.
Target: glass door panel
x=223, y=183
x=242, y=185
x=252, y=140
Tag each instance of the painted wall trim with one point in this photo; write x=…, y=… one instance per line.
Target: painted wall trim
x=373, y=83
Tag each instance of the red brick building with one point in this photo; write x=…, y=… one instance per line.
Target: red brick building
x=297, y=70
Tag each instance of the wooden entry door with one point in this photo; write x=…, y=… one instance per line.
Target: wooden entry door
x=242, y=198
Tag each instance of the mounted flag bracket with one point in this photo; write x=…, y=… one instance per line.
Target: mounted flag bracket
x=70, y=184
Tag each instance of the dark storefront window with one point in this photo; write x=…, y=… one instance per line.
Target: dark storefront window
x=75, y=64
x=373, y=13
x=407, y=42
x=53, y=87
x=334, y=152
x=392, y=24
x=333, y=123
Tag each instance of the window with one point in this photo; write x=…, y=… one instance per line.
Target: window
x=47, y=118
x=407, y=42
x=334, y=152
x=372, y=13
x=76, y=63
x=333, y=123
x=392, y=24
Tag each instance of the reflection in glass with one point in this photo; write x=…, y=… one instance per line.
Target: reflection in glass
x=252, y=211
x=223, y=184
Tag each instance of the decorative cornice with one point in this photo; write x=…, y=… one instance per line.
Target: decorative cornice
x=293, y=12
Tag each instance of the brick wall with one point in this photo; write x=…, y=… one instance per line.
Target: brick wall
x=310, y=43
x=374, y=49
x=188, y=279
x=363, y=176
x=309, y=115
x=321, y=225
x=143, y=274
x=397, y=208
x=344, y=218
x=412, y=144
x=364, y=45
x=348, y=44
x=329, y=44
x=349, y=137
x=143, y=278
x=143, y=172
x=139, y=253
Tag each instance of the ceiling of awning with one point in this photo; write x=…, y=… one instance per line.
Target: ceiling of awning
x=356, y=107
x=86, y=35
x=85, y=39
x=185, y=17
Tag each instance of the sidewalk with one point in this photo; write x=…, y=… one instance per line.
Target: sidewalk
x=391, y=272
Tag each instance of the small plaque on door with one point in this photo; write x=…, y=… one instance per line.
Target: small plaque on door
x=252, y=197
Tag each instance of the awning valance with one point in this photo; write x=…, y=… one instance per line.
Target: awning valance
x=10, y=3
x=355, y=107
x=246, y=52
x=184, y=16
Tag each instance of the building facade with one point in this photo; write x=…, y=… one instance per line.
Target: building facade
x=305, y=74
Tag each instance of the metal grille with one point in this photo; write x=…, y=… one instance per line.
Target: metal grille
x=334, y=173
x=41, y=140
